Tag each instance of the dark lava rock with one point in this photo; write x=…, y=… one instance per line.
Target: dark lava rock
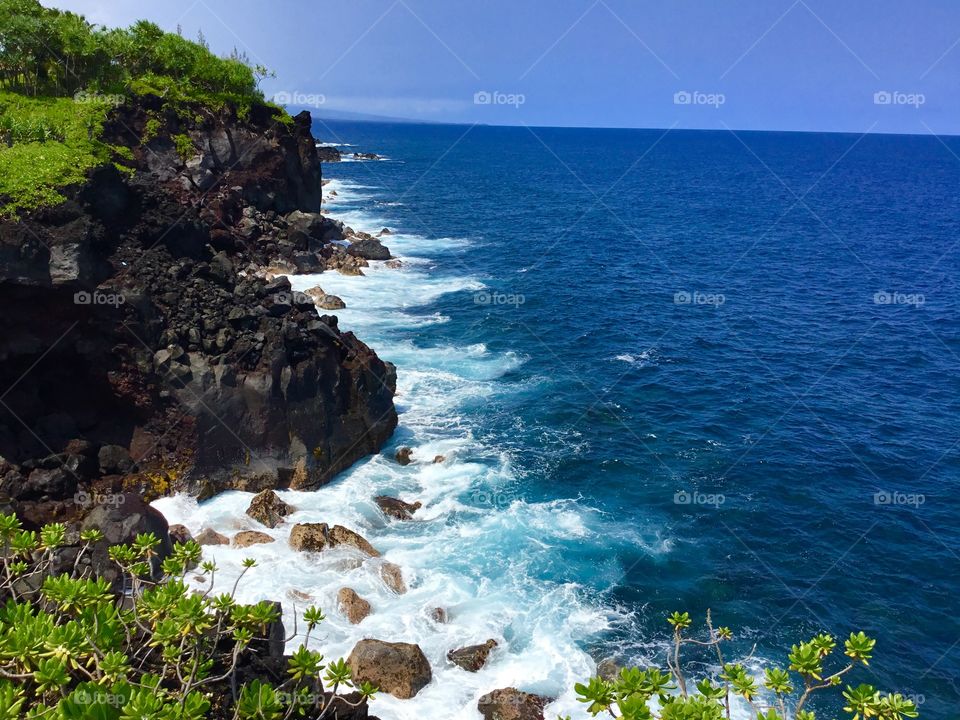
x=400, y=669
x=369, y=249
x=397, y=508
x=472, y=657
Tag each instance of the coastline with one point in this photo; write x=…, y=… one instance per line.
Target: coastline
x=449, y=552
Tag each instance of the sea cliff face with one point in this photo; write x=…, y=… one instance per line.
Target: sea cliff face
x=146, y=346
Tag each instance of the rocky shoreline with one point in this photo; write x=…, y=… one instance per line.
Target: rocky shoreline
x=153, y=344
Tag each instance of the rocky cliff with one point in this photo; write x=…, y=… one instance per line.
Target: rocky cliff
x=144, y=344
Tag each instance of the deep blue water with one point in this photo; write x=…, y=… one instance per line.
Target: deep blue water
x=798, y=398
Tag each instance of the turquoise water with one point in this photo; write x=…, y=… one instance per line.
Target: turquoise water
x=668, y=371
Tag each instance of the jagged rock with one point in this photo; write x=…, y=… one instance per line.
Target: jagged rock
x=512, y=704
x=400, y=669
x=404, y=456
x=172, y=344
x=369, y=248
x=393, y=264
x=385, y=231
x=396, y=508
x=439, y=615
x=366, y=156
x=392, y=577
x=439, y=459
x=115, y=460
x=246, y=538
x=325, y=153
x=180, y=534
x=316, y=537
x=324, y=301
x=354, y=607
x=267, y=508
x=472, y=657
x=209, y=536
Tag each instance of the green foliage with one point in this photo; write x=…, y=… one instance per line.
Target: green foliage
x=74, y=647
x=651, y=694
x=60, y=77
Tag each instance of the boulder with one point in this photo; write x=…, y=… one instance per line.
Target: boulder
x=438, y=615
x=180, y=534
x=472, y=657
x=267, y=508
x=439, y=459
x=209, y=536
x=369, y=248
x=392, y=577
x=354, y=607
x=511, y=704
x=324, y=301
x=385, y=231
x=115, y=460
x=400, y=669
x=608, y=669
x=395, y=508
x=246, y=538
x=393, y=264
x=316, y=537
x=404, y=456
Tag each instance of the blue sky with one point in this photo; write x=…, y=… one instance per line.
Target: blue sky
x=838, y=65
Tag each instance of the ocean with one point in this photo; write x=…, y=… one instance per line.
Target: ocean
x=668, y=371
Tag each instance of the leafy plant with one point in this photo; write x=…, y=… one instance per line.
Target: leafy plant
x=779, y=694
x=75, y=647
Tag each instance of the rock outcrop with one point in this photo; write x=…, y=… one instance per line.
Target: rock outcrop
x=246, y=538
x=268, y=509
x=396, y=508
x=472, y=657
x=149, y=352
x=511, y=704
x=354, y=607
x=316, y=537
x=400, y=669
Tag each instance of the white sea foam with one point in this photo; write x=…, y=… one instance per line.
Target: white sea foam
x=476, y=548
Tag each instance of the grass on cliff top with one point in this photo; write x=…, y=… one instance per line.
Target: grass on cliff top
x=47, y=144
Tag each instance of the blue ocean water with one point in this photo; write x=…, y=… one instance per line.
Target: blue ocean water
x=668, y=370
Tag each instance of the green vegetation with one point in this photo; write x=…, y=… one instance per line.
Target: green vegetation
x=46, y=144
x=631, y=694
x=72, y=648
x=60, y=76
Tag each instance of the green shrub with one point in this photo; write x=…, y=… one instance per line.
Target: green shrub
x=654, y=694
x=73, y=648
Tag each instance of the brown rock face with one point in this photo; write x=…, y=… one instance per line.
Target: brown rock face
x=400, y=669
x=511, y=704
x=246, y=538
x=392, y=507
x=352, y=605
x=472, y=657
x=135, y=298
x=209, y=536
x=392, y=577
x=268, y=509
x=316, y=537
